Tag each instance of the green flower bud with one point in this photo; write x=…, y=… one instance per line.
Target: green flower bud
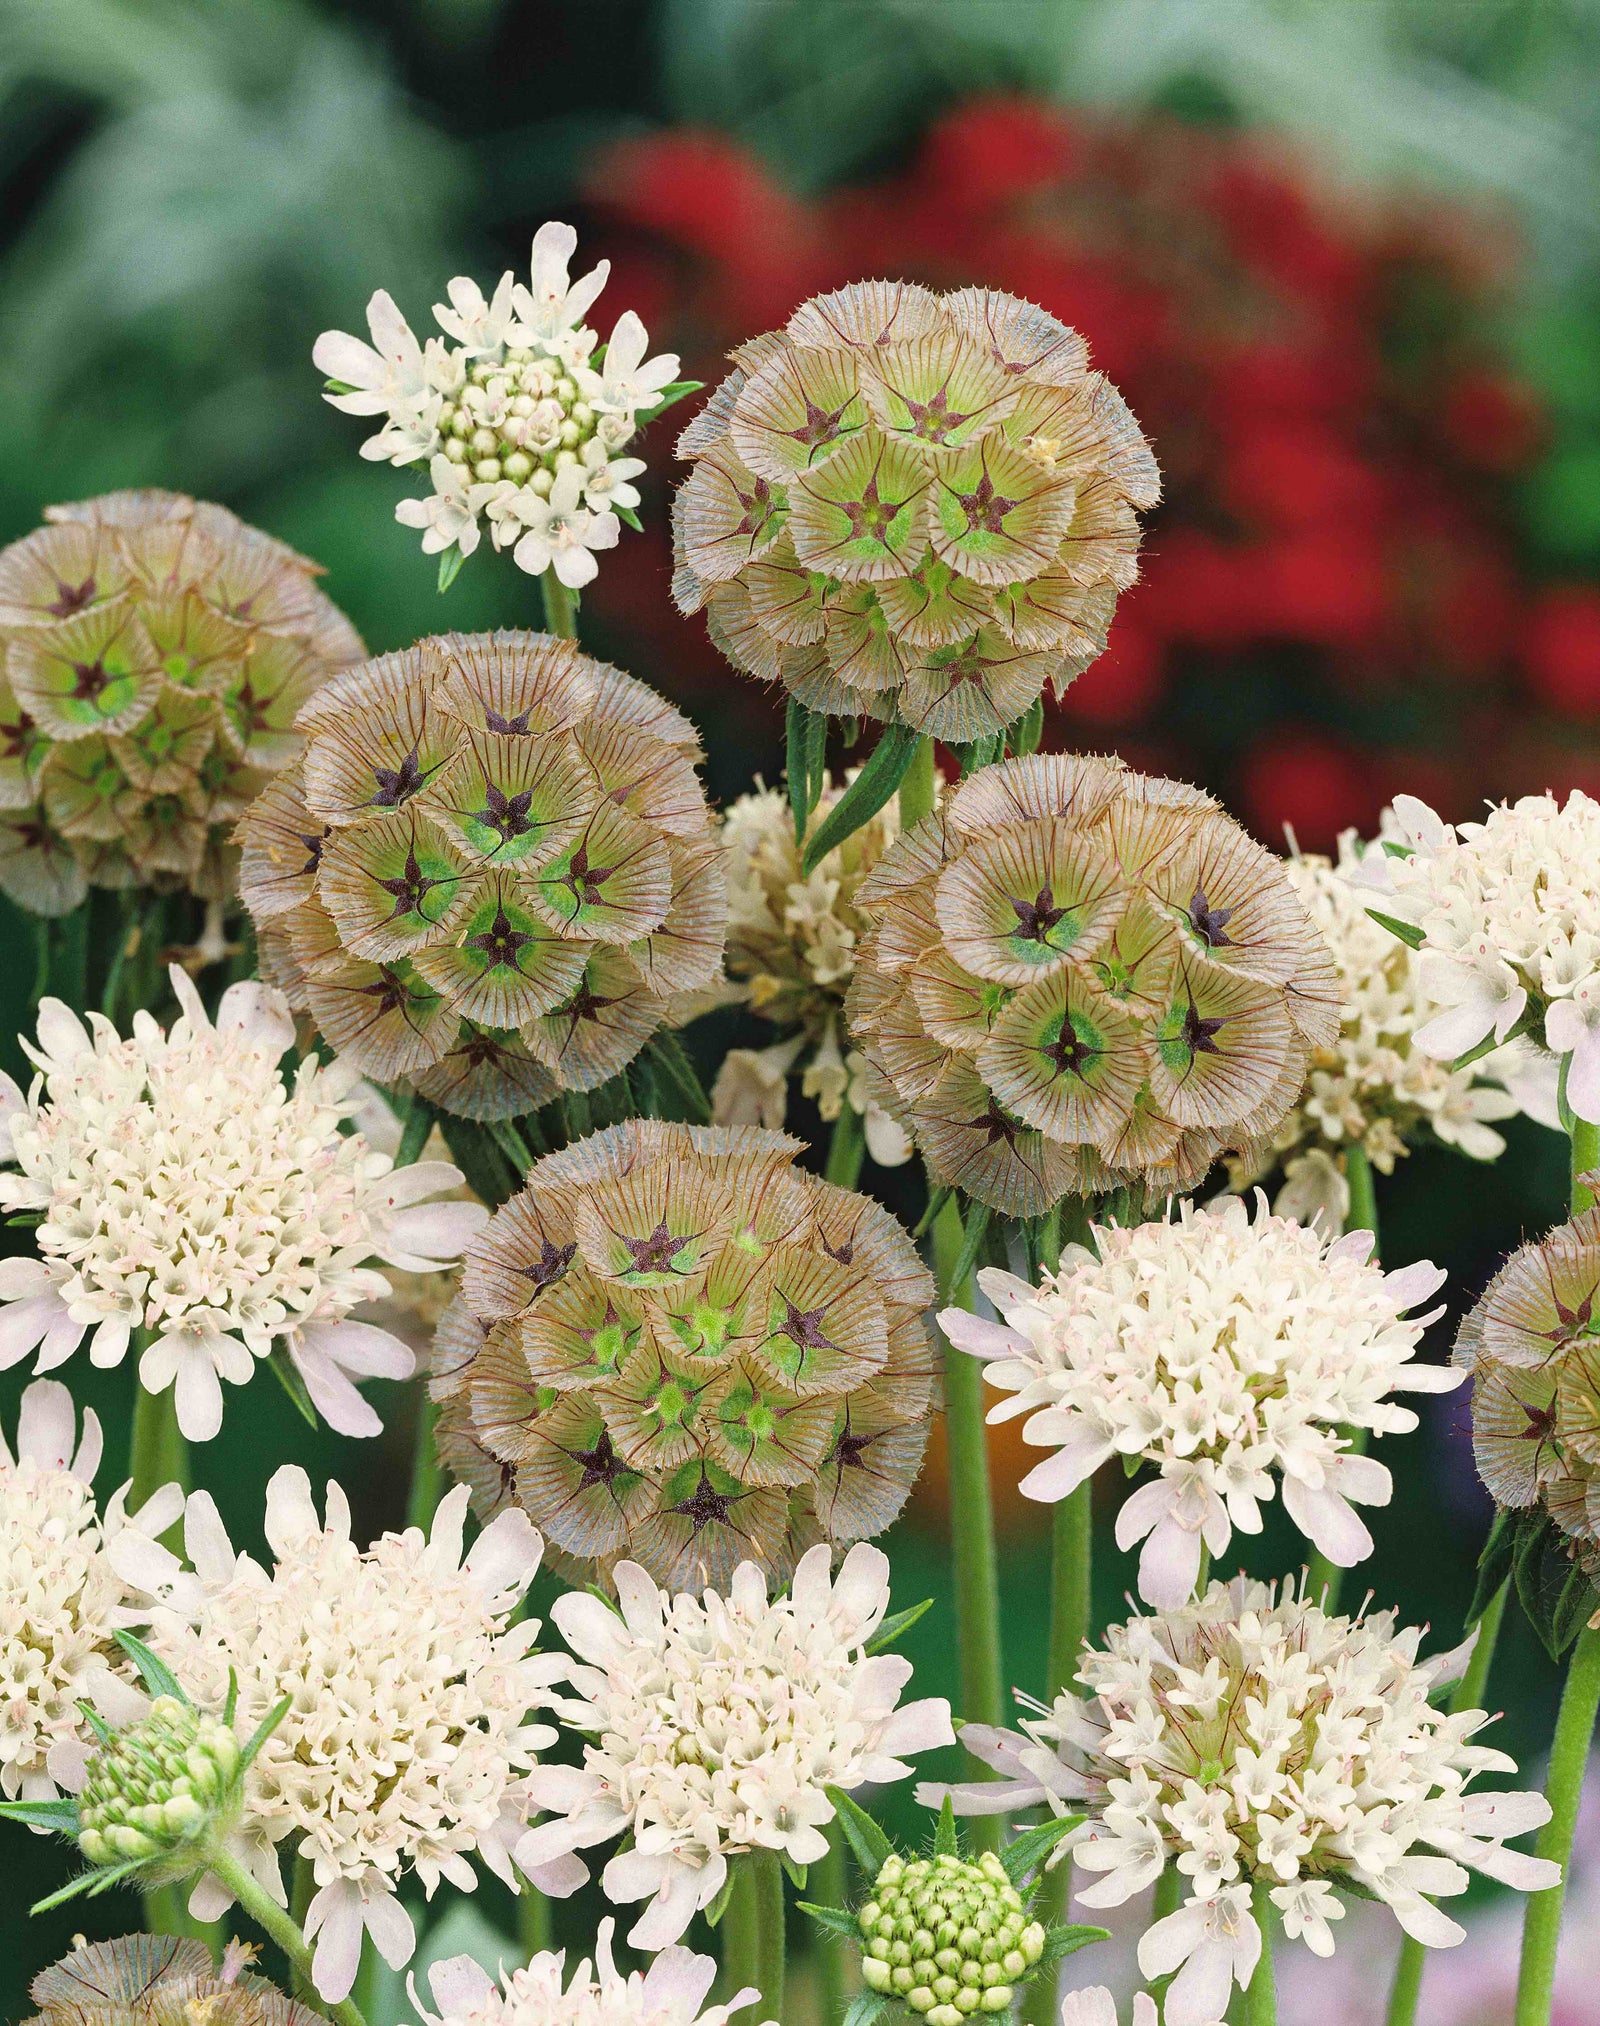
x=156, y=1792
x=947, y=1935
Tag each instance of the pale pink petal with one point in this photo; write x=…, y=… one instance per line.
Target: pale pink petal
x=62, y=1035
x=1328, y=1522
x=198, y=1396
x=47, y=1425
x=390, y=1927
x=25, y=1324
x=460, y=1985
x=334, y=1918
x=1169, y=1566
x=918, y=1727
x=505, y=1556
x=109, y=1344
x=260, y=1015
x=669, y=1913
x=206, y=1541
x=21, y=1276
x=1060, y=1475
x=60, y=1341
x=291, y=1511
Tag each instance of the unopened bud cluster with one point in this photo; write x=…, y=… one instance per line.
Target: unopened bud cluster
x=523, y=418
x=947, y=1937
x=158, y=1786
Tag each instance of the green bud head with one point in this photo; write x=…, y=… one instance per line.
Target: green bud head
x=154, y=1792
x=944, y=1928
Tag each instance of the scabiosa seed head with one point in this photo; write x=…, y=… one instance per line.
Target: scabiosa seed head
x=912, y=506
x=159, y=1789
x=1222, y=1350
x=61, y=1598
x=792, y=939
x=947, y=1936
x=1078, y=977
x=153, y=653
x=1252, y=1738
x=1532, y=1345
x=1508, y=916
x=718, y=1724
x=160, y=1980
x=676, y=1346
x=492, y=871
x=520, y=419
x=406, y=1745
x=187, y=1191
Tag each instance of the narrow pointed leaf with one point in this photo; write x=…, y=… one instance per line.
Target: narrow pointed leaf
x=268, y=1724
x=97, y=1724
x=867, y=793
x=450, y=567
x=865, y=2009
x=1494, y=1564
x=283, y=1370
x=677, y=390
x=866, y=1839
x=676, y=1071
x=796, y=1873
x=944, y=1834
x=231, y=1706
x=1060, y=1942
x=834, y=1918
x=61, y=1816
x=936, y=1202
x=91, y=1882
x=806, y=733
x=898, y=1623
x=1026, y=1852
x=1408, y=932
x=719, y=1906
x=154, y=1672
x=978, y=1215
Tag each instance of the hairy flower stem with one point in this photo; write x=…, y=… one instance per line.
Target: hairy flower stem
x=1569, y=1753
x=159, y=1454
x=535, y=1926
x=560, y=607
x=1467, y=1694
x=919, y=786
x=1585, y=1138
x=977, y=1583
x=827, y=1885
x=752, y=1926
x=846, y=1148
x=274, y=1922
x=1323, y=1580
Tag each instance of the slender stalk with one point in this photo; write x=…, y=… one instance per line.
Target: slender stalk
x=511, y=1144
x=274, y=1922
x=1324, y=1582
x=846, y=1147
x=919, y=786
x=1585, y=1138
x=768, y=1873
x=827, y=1886
x=1471, y=1688
x=1261, y=1998
x=977, y=1582
x=427, y=1479
x=414, y=1132
x=560, y=607
x=741, y=1950
x=535, y=1925
x=1569, y=1753
x=159, y=1453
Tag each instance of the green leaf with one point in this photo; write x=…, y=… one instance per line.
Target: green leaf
x=1532, y=1017
x=97, y=1723
x=1408, y=933
x=1025, y=1853
x=679, y=390
x=230, y=1709
x=866, y=794
x=901, y=1621
x=719, y=1906
x=61, y=1816
x=836, y=1919
x=268, y=1724
x=627, y=514
x=28, y=1219
x=1061, y=1942
x=490, y=1175
x=337, y=387
x=155, y=1673
x=677, y=1072
x=872, y=1848
x=805, y=751
x=865, y=2009
x=981, y=753
x=977, y=1229
x=1024, y=736
x=92, y=1882
x=795, y=1873
x=936, y=1202
x=1556, y=1596
x=283, y=1370
x=944, y=1834
x=450, y=561
x=1494, y=1564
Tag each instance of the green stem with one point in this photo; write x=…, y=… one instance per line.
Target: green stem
x=977, y=1584
x=535, y=1926
x=579, y=1114
x=846, y=1147
x=828, y=1886
x=769, y=1933
x=1569, y=1754
x=1363, y=1213
x=918, y=787
x=427, y=1479
x=274, y=1922
x=560, y=607
x=1585, y=1138
x=1467, y=1694
x=511, y=1144
x=159, y=1454
x=1261, y=1999
x=414, y=1133
x=1071, y=1585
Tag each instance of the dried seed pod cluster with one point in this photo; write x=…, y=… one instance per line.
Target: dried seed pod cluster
x=915, y=506
x=1079, y=978
x=676, y=1347
x=160, y=1980
x=491, y=871
x=153, y=653
x=1534, y=1351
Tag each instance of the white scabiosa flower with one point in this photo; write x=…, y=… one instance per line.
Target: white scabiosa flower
x=672, y=1992
x=1253, y=1739
x=716, y=1725
x=1373, y=1087
x=1507, y=912
x=523, y=417
x=61, y=1599
x=188, y=1194
x=1222, y=1350
x=407, y=1745
x=1097, y=2007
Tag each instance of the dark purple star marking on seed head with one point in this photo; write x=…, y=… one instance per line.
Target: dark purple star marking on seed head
x=551, y=1264
x=985, y=508
x=71, y=598
x=1036, y=917
x=506, y=814
x=655, y=1253
x=396, y=784
x=408, y=889
x=803, y=1327
x=511, y=727
x=1209, y=922
x=500, y=943
x=1200, y=1034
x=601, y=1464
x=706, y=1506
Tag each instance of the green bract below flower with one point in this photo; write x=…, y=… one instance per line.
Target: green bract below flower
x=913, y=506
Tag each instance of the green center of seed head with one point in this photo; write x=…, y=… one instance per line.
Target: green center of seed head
x=948, y=1938
x=157, y=1788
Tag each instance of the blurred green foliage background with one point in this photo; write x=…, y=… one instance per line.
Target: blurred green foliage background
x=195, y=188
